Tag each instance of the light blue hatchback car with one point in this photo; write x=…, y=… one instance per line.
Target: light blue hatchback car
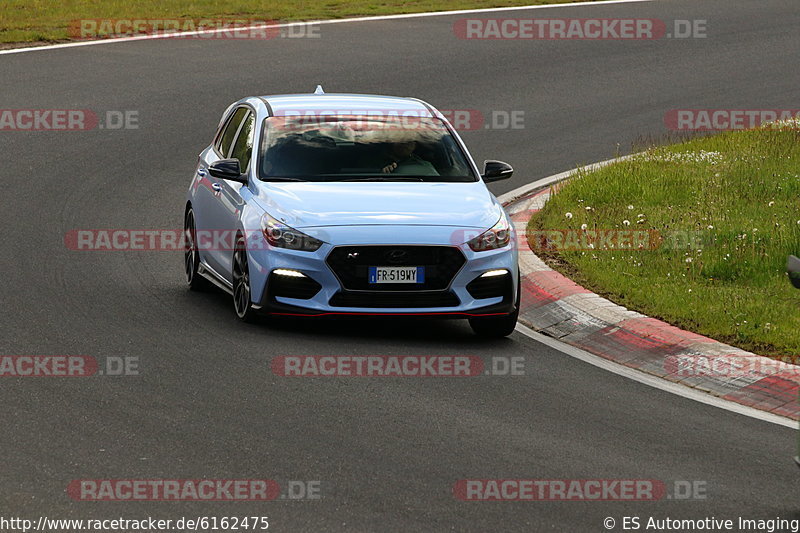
x=347, y=204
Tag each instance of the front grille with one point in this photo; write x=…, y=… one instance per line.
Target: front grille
x=389, y=299
x=291, y=287
x=490, y=287
x=351, y=265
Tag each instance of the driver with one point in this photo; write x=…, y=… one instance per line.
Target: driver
x=399, y=158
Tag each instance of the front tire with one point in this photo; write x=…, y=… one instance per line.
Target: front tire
x=496, y=327
x=242, y=301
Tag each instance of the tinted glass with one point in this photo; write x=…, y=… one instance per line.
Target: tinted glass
x=243, y=147
x=232, y=127
x=355, y=148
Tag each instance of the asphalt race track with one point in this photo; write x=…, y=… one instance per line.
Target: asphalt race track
x=387, y=451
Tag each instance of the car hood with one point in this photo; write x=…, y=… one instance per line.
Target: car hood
x=306, y=204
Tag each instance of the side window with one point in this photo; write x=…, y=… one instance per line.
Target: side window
x=243, y=147
x=225, y=140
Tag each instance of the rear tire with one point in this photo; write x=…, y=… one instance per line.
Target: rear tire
x=496, y=327
x=191, y=256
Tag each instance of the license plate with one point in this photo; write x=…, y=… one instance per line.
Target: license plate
x=397, y=275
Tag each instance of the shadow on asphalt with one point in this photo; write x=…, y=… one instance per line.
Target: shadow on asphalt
x=402, y=330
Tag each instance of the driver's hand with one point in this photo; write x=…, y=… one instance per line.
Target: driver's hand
x=388, y=169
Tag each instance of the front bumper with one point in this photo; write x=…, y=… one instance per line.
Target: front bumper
x=332, y=296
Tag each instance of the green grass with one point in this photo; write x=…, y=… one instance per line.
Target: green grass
x=737, y=194
x=48, y=20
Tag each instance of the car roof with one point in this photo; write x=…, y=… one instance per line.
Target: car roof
x=344, y=104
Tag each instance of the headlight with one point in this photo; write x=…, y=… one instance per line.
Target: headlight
x=279, y=234
x=496, y=237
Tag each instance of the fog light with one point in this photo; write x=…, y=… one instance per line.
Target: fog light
x=492, y=273
x=288, y=273
x=491, y=284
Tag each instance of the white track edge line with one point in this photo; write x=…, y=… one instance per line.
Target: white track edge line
x=616, y=368
x=654, y=381
x=179, y=35
x=519, y=192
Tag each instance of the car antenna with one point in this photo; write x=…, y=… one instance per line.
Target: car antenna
x=319, y=90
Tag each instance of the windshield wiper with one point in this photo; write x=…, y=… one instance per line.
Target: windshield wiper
x=383, y=178
x=282, y=179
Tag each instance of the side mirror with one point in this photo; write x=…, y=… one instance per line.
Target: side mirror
x=227, y=169
x=793, y=269
x=496, y=170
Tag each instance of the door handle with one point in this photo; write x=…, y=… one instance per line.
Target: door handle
x=217, y=187
x=201, y=172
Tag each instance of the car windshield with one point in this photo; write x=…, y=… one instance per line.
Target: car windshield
x=361, y=148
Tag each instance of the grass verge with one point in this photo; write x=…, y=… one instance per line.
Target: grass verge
x=715, y=217
x=25, y=21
